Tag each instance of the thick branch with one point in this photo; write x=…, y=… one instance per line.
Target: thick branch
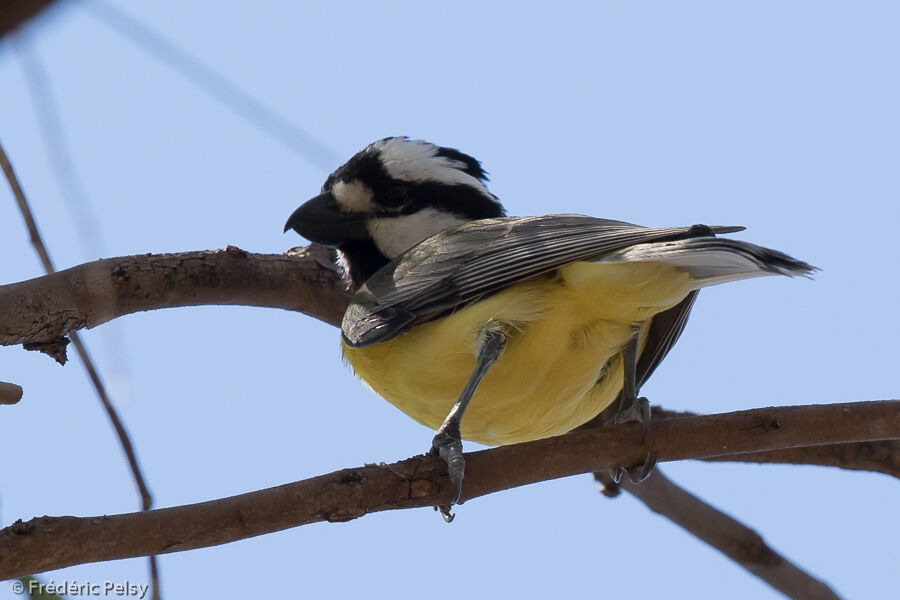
x=54, y=542
x=47, y=308
x=734, y=539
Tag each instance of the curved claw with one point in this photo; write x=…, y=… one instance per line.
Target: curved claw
x=444, y=509
x=640, y=473
x=456, y=466
x=450, y=449
x=616, y=474
x=636, y=473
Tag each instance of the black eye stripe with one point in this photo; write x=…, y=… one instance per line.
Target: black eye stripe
x=396, y=196
x=460, y=199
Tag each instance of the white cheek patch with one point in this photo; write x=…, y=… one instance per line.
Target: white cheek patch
x=354, y=196
x=395, y=235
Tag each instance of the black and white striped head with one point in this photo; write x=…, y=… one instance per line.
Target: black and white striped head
x=391, y=196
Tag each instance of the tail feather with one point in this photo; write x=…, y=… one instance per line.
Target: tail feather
x=711, y=260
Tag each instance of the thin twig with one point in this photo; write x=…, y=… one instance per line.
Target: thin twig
x=19, y=195
x=54, y=542
x=43, y=101
x=216, y=86
x=124, y=440
x=724, y=533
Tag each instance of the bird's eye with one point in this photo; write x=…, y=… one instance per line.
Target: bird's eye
x=396, y=196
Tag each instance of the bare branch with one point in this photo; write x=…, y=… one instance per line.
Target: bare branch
x=42, y=310
x=10, y=393
x=47, y=308
x=36, y=241
x=882, y=456
x=54, y=542
x=219, y=88
x=111, y=413
x=234, y=277
x=16, y=12
x=727, y=535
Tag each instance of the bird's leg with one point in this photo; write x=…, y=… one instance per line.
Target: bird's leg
x=447, y=442
x=633, y=410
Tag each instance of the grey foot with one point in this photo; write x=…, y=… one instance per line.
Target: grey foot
x=449, y=447
x=638, y=412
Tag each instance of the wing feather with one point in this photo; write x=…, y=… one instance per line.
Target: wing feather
x=470, y=261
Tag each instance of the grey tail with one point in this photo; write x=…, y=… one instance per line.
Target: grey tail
x=711, y=260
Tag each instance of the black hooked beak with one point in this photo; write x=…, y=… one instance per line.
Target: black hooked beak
x=320, y=220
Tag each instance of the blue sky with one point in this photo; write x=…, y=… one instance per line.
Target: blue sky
x=778, y=116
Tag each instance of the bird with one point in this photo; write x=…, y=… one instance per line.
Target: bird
x=500, y=329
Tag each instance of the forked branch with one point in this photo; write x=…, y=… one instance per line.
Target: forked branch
x=54, y=542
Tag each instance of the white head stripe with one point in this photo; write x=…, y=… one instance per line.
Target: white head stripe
x=418, y=161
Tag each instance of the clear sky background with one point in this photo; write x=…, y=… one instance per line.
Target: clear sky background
x=781, y=116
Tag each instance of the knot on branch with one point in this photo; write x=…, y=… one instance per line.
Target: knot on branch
x=55, y=348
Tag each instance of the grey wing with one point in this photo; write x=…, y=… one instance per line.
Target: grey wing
x=471, y=261
x=665, y=329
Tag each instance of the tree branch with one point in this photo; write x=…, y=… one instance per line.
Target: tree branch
x=54, y=542
x=731, y=537
x=15, y=12
x=881, y=456
x=40, y=311
x=45, y=309
x=124, y=439
x=10, y=393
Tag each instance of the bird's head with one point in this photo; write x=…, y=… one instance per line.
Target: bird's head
x=389, y=197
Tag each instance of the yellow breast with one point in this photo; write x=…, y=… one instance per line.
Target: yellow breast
x=561, y=365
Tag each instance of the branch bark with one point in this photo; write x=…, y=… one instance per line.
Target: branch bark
x=124, y=439
x=724, y=533
x=10, y=393
x=881, y=456
x=45, y=309
x=48, y=543
x=41, y=311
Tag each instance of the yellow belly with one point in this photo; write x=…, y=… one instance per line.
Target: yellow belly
x=562, y=363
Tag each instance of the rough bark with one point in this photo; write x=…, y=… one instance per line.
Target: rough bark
x=46, y=309
x=731, y=537
x=10, y=393
x=881, y=456
x=48, y=543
